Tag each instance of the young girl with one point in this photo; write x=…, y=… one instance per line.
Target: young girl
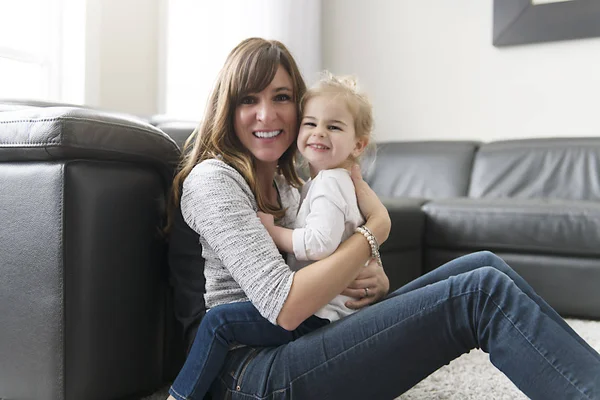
x=334, y=131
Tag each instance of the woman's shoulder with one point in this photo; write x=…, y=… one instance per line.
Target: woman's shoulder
x=213, y=167
x=212, y=172
x=215, y=178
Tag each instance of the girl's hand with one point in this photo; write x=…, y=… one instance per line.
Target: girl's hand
x=371, y=207
x=372, y=277
x=267, y=220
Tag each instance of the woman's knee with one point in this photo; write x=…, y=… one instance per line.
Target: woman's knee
x=489, y=259
x=489, y=278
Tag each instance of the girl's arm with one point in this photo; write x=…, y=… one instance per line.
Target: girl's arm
x=325, y=223
x=280, y=235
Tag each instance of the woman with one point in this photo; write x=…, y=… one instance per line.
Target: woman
x=241, y=163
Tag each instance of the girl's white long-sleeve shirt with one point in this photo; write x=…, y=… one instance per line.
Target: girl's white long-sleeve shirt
x=328, y=215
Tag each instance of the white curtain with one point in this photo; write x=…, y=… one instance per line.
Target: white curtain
x=200, y=34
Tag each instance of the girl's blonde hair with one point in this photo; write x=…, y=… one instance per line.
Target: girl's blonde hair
x=249, y=68
x=357, y=102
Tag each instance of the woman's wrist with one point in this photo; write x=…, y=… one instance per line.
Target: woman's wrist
x=373, y=244
x=380, y=226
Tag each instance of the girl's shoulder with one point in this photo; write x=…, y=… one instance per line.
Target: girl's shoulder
x=341, y=176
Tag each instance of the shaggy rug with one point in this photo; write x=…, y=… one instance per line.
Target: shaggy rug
x=470, y=376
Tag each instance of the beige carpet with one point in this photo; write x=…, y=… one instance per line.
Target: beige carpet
x=470, y=376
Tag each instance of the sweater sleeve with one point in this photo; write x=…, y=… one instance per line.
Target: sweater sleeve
x=218, y=204
x=325, y=223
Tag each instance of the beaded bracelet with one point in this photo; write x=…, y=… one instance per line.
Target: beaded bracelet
x=366, y=232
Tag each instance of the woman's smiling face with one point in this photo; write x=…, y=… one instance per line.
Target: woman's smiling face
x=266, y=122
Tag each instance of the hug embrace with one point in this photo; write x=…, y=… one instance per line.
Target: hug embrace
x=317, y=322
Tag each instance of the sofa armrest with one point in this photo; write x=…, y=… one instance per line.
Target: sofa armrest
x=402, y=252
x=61, y=133
x=408, y=223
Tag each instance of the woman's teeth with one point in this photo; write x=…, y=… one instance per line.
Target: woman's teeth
x=267, y=135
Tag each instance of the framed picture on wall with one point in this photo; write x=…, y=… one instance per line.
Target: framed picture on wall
x=535, y=21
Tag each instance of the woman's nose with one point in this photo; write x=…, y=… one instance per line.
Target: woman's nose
x=265, y=112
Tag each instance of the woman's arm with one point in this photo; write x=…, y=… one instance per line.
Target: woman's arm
x=315, y=285
x=218, y=204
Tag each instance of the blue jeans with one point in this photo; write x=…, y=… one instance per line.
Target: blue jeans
x=222, y=327
x=475, y=301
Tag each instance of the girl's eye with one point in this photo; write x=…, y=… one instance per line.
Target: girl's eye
x=247, y=100
x=309, y=124
x=283, y=97
x=334, y=128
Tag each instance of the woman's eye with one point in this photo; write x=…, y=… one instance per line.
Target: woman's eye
x=247, y=100
x=283, y=97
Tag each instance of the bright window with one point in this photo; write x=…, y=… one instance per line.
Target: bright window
x=39, y=41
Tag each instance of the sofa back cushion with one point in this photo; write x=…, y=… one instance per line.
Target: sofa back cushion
x=179, y=131
x=428, y=169
x=564, y=168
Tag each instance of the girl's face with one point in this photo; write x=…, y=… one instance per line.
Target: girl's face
x=266, y=122
x=327, y=138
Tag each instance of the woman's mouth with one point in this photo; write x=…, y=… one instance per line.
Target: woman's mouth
x=267, y=134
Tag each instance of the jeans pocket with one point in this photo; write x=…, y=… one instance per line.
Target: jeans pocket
x=235, y=365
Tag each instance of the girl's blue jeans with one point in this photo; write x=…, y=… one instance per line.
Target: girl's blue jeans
x=475, y=301
x=222, y=327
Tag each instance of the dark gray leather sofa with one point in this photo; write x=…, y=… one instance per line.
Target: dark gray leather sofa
x=85, y=299
x=83, y=293
x=535, y=203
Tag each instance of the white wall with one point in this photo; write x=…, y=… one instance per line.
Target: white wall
x=122, y=44
x=432, y=72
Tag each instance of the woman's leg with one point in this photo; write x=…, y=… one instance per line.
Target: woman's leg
x=479, y=259
x=384, y=350
x=222, y=327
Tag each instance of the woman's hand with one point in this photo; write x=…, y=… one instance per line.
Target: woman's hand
x=371, y=277
x=378, y=219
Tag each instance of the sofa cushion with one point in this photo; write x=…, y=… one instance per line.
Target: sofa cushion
x=433, y=169
x=58, y=133
x=538, y=168
x=559, y=227
x=179, y=131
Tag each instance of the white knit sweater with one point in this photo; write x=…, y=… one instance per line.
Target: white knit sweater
x=241, y=260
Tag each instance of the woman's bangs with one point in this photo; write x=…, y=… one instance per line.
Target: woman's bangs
x=258, y=72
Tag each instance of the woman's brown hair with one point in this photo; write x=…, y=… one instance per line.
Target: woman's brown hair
x=249, y=68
